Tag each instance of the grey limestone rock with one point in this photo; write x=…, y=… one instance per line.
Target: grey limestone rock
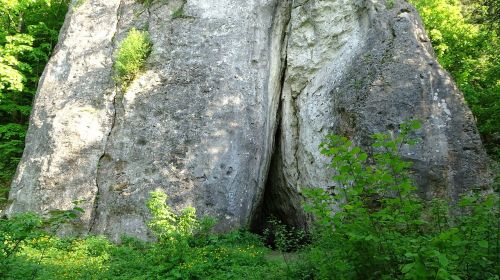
x=229, y=113
x=363, y=70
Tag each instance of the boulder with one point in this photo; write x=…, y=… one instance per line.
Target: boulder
x=231, y=107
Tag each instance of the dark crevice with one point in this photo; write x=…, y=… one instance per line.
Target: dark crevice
x=261, y=215
x=280, y=201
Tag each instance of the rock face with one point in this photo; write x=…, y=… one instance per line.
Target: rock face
x=229, y=113
x=358, y=68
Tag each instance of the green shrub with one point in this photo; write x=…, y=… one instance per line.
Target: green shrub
x=131, y=56
x=283, y=237
x=166, y=225
x=286, y=240
x=22, y=230
x=187, y=250
x=382, y=230
x=389, y=4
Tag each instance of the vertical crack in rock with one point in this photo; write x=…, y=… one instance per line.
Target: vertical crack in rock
x=117, y=92
x=278, y=60
x=322, y=40
x=280, y=200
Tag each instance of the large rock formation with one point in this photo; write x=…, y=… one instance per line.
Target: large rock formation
x=228, y=116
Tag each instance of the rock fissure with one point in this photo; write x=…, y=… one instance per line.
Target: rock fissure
x=278, y=53
x=116, y=93
x=281, y=199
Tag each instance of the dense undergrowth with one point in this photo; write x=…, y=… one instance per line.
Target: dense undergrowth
x=379, y=229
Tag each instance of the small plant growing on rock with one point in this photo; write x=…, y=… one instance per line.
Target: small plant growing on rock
x=389, y=4
x=146, y=3
x=179, y=13
x=131, y=56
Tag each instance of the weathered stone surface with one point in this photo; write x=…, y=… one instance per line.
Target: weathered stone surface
x=71, y=118
x=201, y=121
x=366, y=72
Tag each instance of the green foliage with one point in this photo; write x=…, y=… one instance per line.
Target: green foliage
x=186, y=249
x=173, y=231
x=284, y=238
x=23, y=229
x=28, y=33
x=389, y=4
x=378, y=231
x=15, y=231
x=131, y=56
x=372, y=225
x=464, y=35
x=179, y=13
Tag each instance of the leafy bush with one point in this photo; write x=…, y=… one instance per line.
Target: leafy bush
x=15, y=232
x=381, y=229
x=187, y=250
x=131, y=56
x=166, y=225
x=28, y=228
x=286, y=240
x=283, y=237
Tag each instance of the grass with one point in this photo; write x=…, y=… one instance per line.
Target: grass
x=237, y=255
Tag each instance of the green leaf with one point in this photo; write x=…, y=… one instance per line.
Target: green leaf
x=443, y=261
x=362, y=157
x=483, y=243
x=407, y=268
